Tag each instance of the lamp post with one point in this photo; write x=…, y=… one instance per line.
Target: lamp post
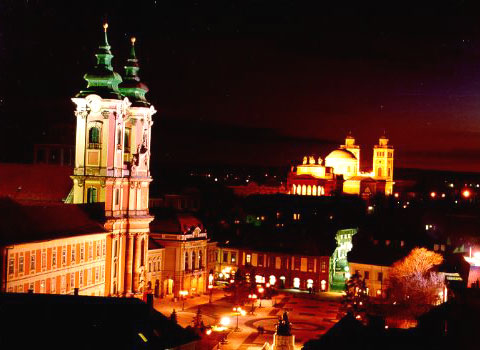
x=183, y=294
x=260, y=292
x=252, y=297
x=210, y=288
x=238, y=311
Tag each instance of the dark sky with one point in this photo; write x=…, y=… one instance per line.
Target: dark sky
x=259, y=81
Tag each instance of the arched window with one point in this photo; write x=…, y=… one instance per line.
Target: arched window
x=186, y=262
x=304, y=190
x=94, y=137
x=126, y=140
x=194, y=262
x=91, y=195
x=200, y=262
x=142, y=253
x=299, y=189
x=309, y=190
x=294, y=189
x=314, y=190
x=119, y=138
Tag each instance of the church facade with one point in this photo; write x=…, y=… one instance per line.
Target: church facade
x=341, y=172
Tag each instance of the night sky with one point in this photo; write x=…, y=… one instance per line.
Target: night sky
x=257, y=82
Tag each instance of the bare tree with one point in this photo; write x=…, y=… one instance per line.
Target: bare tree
x=413, y=282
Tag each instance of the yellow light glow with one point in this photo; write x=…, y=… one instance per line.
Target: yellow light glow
x=225, y=321
x=208, y=332
x=143, y=337
x=433, y=194
x=105, y=26
x=466, y=193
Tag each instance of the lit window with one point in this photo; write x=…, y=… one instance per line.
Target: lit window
x=104, y=248
x=96, y=274
x=323, y=285
x=103, y=273
x=272, y=280
x=32, y=262
x=233, y=257
x=90, y=250
x=248, y=258
x=63, y=284
x=309, y=283
x=53, y=285
x=82, y=251
x=80, y=278
x=54, y=257
x=64, y=255
x=11, y=265
x=73, y=254
x=72, y=280
x=44, y=259
x=97, y=249
x=296, y=282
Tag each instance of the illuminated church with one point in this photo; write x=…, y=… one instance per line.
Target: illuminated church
x=341, y=173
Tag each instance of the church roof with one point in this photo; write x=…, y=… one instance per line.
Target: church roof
x=341, y=154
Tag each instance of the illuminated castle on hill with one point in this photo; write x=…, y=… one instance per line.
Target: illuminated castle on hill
x=341, y=172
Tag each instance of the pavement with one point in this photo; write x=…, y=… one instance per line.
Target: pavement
x=311, y=316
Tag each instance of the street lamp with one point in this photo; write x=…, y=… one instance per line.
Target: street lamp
x=183, y=294
x=210, y=288
x=224, y=322
x=252, y=297
x=238, y=311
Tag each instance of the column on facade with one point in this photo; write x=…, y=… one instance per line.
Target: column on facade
x=129, y=262
x=138, y=256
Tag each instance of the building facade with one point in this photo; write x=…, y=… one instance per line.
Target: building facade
x=341, y=172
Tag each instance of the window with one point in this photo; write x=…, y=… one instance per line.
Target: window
x=44, y=259
x=310, y=263
x=380, y=276
x=53, y=285
x=233, y=257
x=11, y=264
x=64, y=256
x=225, y=257
x=32, y=262
x=149, y=267
x=63, y=283
x=194, y=262
x=142, y=253
x=119, y=138
x=54, y=257
x=103, y=273
x=104, y=248
x=89, y=276
x=186, y=262
x=115, y=248
x=97, y=249
x=73, y=254
x=90, y=250
x=248, y=259
x=80, y=278
x=296, y=282
x=82, y=251
x=72, y=280
x=117, y=196
x=126, y=141
x=296, y=263
x=94, y=137
x=260, y=260
x=31, y=287
x=367, y=275
x=91, y=195
x=200, y=262
x=97, y=274
x=323, y=266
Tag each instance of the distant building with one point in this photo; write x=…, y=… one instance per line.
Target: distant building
x=341, y=172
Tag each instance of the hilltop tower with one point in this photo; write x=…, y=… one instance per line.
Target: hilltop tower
x=112, y=164
x=383, y=163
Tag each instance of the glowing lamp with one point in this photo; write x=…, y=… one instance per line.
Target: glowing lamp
x=466, y=194
x=208, y=332
x=225, y=321
x=261, y=290
x=433, y=194
x=210, y=286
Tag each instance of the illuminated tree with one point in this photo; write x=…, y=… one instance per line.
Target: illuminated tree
x=413, y=282
x=356, y=297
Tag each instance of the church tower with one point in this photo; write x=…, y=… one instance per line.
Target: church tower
x=112, y=164
x=354, y=149
x=383, y=163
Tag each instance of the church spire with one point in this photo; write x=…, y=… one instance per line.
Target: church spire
x=132, y=87
x=103, y=80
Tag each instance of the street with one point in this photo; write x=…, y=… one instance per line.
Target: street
x=311, y=316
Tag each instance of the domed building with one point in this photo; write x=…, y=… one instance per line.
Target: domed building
x=342, y=174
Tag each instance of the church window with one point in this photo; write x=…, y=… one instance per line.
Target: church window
x=94, y=137
x=126, y=141
x=119, y=138
x=92, y=195
x=142, y=253
x=186, y=262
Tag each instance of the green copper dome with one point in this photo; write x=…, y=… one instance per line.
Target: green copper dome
x=132, y=87
x=102, y=80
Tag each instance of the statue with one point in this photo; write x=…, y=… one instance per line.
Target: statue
x=320, y=160
x=304, y=160
x=284, y=327
x=311, y=160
